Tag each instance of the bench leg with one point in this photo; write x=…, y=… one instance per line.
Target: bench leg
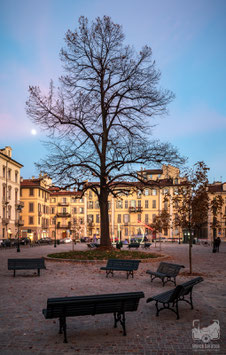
x=63, y=327
x=120, y=317
x=129, y=273
x=108, y=272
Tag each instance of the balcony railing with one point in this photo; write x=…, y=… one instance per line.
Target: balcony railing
x=63, y=204
x=135, y=209
x=5, y=221
x=19, y=223
x=63, y=214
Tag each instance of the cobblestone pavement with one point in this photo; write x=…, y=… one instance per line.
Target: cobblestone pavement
x=24, y=330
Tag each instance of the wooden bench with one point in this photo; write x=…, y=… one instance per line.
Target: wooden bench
x=26, y=264
x=121, y=265
x=134, y=245
x=166, y=271
x=93, y=245
x=172, y=297
x=117, y=304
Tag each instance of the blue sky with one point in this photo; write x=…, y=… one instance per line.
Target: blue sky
x=189, y=46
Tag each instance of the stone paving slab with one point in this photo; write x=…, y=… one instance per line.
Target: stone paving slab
x=24, y=330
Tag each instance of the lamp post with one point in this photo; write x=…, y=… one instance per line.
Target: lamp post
x=55, y=221
x=19, y=209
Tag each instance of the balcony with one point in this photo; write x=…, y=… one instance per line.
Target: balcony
x=63, y=226
x=5, y=221
x=19, y=223
x=135, y=209
x=63, y=204
x=45, y=226
x=90, y=224
x=63, y=215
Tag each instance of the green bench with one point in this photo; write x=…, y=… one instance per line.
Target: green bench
x=118, y=304
x=170, y=299
x=121, y=265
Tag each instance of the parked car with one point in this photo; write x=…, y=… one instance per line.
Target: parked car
x=45, y=241
x=25, y=241
x=9, y=242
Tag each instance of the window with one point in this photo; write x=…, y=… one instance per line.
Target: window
x=81, y=220
x=53, y=200
x=175, y=191
x=90, y=195
x=31, y=207
x=74, y=210
x=31, y=191
x=146, y=203
x=31, y=220
x=154, y=204
x=126, y=203
x=4, y=192
x=133, y=203
x=16, y=195
x=153, y=217
x=64, y=200
x=97, y=218
x=146, y=192
x=119, y=219
x=9, y=211
x=139, y=217
x=9, y=192
x=64, y=210
x=126, y=218
x=81, y=209
x=73, y=199
x=139, y=203
x=176, y=181
x=16, y=176
x=139, y=194
x=90, y=204
x=90, y=218
x=98, y=206
x=3, y=171
x=154, y=192
x=9, y=174
x=39, y=193
x=165, y=191
x=126, y=232
x=109, y=205
x=81, y=200
x=119, y=204
x=146, y=218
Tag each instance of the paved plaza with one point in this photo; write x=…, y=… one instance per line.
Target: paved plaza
x=24, y=330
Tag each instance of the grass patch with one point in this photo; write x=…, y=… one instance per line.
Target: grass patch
x=103, y=255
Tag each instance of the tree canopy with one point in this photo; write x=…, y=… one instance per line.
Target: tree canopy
x=99, y=119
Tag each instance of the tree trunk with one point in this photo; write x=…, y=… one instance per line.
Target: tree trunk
x=104, y=219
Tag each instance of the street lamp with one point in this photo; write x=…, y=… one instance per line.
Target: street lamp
x=55, y=221
x=19, y=209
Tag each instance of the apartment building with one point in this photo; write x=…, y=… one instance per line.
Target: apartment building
x=35, y=196
x=218, y=188
x=57, y=213
x=66, y=214
x=10, y=204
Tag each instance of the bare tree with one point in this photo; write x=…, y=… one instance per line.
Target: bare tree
x=98, y=120
x=191, y=203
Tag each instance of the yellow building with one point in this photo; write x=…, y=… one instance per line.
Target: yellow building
x=218, y=189
x=57, y=213
x=35, y=196
x=66, y=214
x=9, y=194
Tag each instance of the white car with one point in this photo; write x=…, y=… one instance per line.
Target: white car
x=67, y=240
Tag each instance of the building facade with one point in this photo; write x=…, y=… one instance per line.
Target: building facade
x=35, y=196
x=56, y=213
x=10, y=203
